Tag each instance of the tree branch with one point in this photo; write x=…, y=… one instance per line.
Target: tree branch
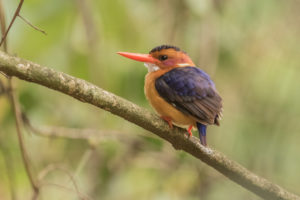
x=51, y=168
x=32, y=26
x=13, y=99
x=12, y=21
x=18, y=118
x=89, y=93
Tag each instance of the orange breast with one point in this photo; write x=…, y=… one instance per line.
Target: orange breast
x=162, y=107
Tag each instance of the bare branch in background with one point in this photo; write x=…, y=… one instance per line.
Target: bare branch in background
x=85, y=7
x=3, y=90
x=89, y=93
x=176, y=20
x=59, y=186
x=33, y=26
x=24, y=153
x=92, y=36
x=16, y=14
x=12, y=22
x=208, y=46
x=3, y=24
x=78, y=133
x=50, y=168
x=84, y=159
x=14, y=102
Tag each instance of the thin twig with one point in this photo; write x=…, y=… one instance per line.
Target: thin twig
x=89, y=93
x=16, y=108
x=51, y=168
x=84, y=159
x=85, y=8
x=15, y=105
x=12, y=21
x=82, y=162
x=78, y=133
x=3, y=24
x=33, y=26
x=80, y=195
x=3, y=27
x=3, y=89
x=92, y=37
x=24, y=153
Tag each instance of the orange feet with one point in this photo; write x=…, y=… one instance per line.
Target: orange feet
x=190, y=130
x=169, y=120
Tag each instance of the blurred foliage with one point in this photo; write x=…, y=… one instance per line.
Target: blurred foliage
x=250, y=48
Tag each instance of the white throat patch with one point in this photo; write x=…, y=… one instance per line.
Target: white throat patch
x=151, y=67
x=183, y=64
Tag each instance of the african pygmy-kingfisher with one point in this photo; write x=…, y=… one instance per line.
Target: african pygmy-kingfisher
x=180, y=92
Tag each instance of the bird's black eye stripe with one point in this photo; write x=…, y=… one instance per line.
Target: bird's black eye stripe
x=163, y=57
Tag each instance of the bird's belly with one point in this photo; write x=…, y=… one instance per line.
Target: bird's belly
x=163, y=108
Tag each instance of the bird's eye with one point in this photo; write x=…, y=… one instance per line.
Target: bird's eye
x=163, y=57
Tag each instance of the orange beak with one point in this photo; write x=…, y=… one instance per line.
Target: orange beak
x=139, y=57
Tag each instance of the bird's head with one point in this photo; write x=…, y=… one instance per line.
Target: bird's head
x=162, y=57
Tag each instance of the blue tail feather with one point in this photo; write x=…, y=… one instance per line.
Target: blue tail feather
x=202, y=133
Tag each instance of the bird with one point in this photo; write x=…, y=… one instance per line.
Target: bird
x=181, y=93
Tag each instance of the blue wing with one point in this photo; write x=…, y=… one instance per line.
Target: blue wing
x=190, y=90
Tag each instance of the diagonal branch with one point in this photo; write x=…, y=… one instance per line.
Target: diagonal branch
x=89, y=93
x=32, y=26
x=13, y=99
x=17, y=112
x=12, y=21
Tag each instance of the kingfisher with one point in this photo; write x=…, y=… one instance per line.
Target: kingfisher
x=181, y=93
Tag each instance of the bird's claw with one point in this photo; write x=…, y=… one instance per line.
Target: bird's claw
x=168, y=120
x=190, y=130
